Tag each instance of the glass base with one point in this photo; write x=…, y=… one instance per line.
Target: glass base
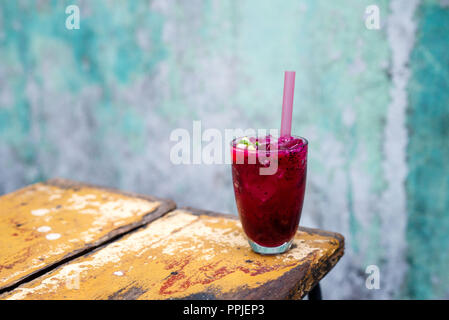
x=270, y=250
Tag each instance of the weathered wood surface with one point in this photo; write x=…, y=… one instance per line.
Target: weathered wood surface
x=190, y=254
x=46, y=223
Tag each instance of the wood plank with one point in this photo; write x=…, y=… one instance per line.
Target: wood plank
x=190, y=254
x=46, y=223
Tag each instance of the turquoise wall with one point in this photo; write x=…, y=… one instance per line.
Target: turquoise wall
x=98, y=104
x=428, y=153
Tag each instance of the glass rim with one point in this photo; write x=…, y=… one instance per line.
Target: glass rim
x=305, y=141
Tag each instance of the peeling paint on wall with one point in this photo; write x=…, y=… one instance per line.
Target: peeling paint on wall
x=401, y=36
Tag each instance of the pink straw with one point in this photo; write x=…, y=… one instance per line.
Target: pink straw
x=287, y=104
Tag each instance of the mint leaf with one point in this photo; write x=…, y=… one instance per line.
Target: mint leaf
x=245, y=141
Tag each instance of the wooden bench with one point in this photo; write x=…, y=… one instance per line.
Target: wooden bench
x=67, y=240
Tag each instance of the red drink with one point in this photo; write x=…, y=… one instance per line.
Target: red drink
x=269, y=205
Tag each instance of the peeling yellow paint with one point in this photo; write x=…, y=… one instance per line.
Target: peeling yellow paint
x=76, y=217
x=175, y=256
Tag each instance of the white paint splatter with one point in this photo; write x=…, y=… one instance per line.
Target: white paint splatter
x=348, y=117
x=358, y=66
x=40, y=212
x=44, y=229
x=53, y=236
x=54, y=197
x=119, y=273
